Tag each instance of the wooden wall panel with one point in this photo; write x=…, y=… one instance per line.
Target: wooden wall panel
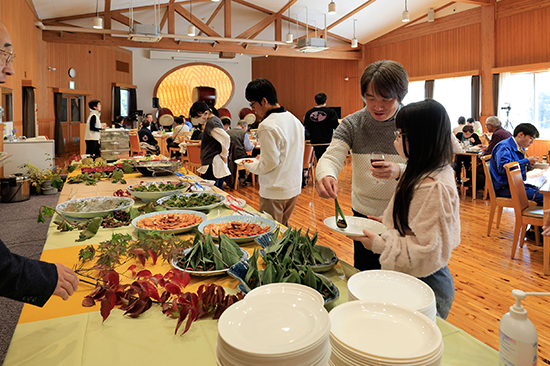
x=523, y=38
x=297, y=81
x=454, y=50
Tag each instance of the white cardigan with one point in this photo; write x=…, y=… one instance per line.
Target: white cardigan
x=435, y=222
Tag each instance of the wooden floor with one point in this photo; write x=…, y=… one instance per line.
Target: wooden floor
x=483, y=272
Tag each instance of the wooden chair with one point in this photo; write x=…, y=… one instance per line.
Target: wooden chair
x=309, y=155
x=525, y=214
x=239, y=168
x=494, y=201
x=135, y=148
x=194, y=156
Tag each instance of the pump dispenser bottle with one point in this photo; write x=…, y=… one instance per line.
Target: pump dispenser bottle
x=518, y=336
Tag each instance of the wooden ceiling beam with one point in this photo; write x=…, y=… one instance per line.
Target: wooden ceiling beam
x=123, y=19
x=170, y=44
x=196, y=21
x=164, y=19
x=263, y=24
x=226, y=17
x=351, y=13
x=171, y=15
x=209, y=21
x=475, y=2
x=107, y=15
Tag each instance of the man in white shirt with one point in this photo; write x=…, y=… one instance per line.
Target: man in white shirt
x=279, y=166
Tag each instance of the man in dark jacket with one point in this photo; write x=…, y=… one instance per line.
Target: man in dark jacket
x=320, y=122
x=147, y=140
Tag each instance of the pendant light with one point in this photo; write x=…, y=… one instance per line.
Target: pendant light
x=405, y=17
x=289, y=36
x=354, y=43
x=332, y=7
x=215, y=1
x=191, y=27
x=98, y=22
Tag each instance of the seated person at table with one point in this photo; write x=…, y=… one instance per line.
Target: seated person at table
x=179, y=131
x=461, y=124
x=513, y=149
x=153, y=126
x=197, y=132
x=475, y=124
x=147, y=140
x=422, y=218
x=467, y=135
x=494, y=126
x=119, y=122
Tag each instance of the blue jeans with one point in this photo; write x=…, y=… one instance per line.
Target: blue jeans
x=441, y=282
x=532, y=191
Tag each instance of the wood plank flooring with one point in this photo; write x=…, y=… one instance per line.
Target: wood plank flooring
x=483, y=272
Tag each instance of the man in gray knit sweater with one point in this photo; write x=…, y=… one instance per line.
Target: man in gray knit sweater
x=384, y=84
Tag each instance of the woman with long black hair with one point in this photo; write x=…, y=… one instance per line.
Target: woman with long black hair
x=422, y=218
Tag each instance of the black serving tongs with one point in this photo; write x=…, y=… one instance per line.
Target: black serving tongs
x=340, y=222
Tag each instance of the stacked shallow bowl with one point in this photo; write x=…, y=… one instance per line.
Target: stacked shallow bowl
x=393, y=287
x=381, y=334
x=278, y=327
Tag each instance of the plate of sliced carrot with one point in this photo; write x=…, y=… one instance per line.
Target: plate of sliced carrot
x=241, y=229
x=172, y=221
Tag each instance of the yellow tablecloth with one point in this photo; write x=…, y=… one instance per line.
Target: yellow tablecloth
x=65, y=333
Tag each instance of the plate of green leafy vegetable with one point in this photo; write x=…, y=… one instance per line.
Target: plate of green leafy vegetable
x=147, y=191
x=250, y=277
x=192, y=201
x=207, y=259
x=299, y=247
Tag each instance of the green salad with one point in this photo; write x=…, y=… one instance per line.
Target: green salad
x=160, y=187
x=192, y=200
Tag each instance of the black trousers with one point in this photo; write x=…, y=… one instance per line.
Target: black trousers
x=364, y=259
x=93, y=148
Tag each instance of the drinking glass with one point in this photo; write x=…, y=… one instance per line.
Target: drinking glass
x=374, y=157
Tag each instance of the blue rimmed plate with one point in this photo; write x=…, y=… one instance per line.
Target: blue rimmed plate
x=252, y=219
x=147, y=196
x=85, y=208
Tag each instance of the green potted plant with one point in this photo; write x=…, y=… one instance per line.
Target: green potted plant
x=46, y=181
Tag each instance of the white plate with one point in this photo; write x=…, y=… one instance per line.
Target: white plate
x=200, y=208
x=172, y=231
x=174, y=263
x=83, y=206
x=273, y=324
x=274, y=289
x=240, y=161
x=239, y=202
x=384, y=330
x=355, y=225
x=540, y=166
x=393, y=287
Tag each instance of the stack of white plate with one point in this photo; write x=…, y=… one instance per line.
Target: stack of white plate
x=381, y=334
x=279, y=328
x=393, y=287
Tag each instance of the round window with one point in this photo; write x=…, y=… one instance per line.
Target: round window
x=175, y=88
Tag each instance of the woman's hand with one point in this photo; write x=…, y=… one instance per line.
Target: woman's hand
x=366, y=240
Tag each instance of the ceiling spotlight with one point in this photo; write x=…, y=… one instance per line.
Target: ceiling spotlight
x=405, y=18
x=354, y=43
x=98, y=22
x=431, y=15
x=191, y=30
x=215, y=1
x=332, y=7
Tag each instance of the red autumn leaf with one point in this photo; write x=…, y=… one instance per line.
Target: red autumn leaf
x=154, y=280
x=190, y=319
x=131, y=268
x=136, y=308
x=143, y=273
x=164, y=297
x=138, y=251
x=182, y=280
x=88, y=301
x=173, y=289
x=141, y=259
x=112, y=279
x=181, y=318
x=107, y=304
x=162, y=282
x=153, y=255
x=97, y=293
x=219, y=311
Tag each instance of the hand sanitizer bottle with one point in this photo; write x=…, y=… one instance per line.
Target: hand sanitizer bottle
x=518, y=336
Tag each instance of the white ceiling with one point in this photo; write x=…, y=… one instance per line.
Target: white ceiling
x=380, y=17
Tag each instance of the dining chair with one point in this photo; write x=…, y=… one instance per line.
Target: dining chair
x=135, y=148
x=194, y=156
x=183, y=157
x=309, y=155
x=525, y=214
x=239, y=168
x=495, y=203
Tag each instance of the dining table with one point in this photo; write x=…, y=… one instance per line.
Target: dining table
x=66, y=333
x=161, y=139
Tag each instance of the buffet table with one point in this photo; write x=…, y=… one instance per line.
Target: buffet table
x=66, y=333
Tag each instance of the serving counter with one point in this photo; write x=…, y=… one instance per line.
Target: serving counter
x=66, y=333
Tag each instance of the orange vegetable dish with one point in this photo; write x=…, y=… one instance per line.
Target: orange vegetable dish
x=169, y=221
x=235, y=229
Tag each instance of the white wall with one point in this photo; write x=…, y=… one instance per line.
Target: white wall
x=147, y=72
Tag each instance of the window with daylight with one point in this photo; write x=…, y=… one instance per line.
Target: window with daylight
x=455, y=94
x=416, y=92
x=175, y=88
x=124, y=102
x=528, y=96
